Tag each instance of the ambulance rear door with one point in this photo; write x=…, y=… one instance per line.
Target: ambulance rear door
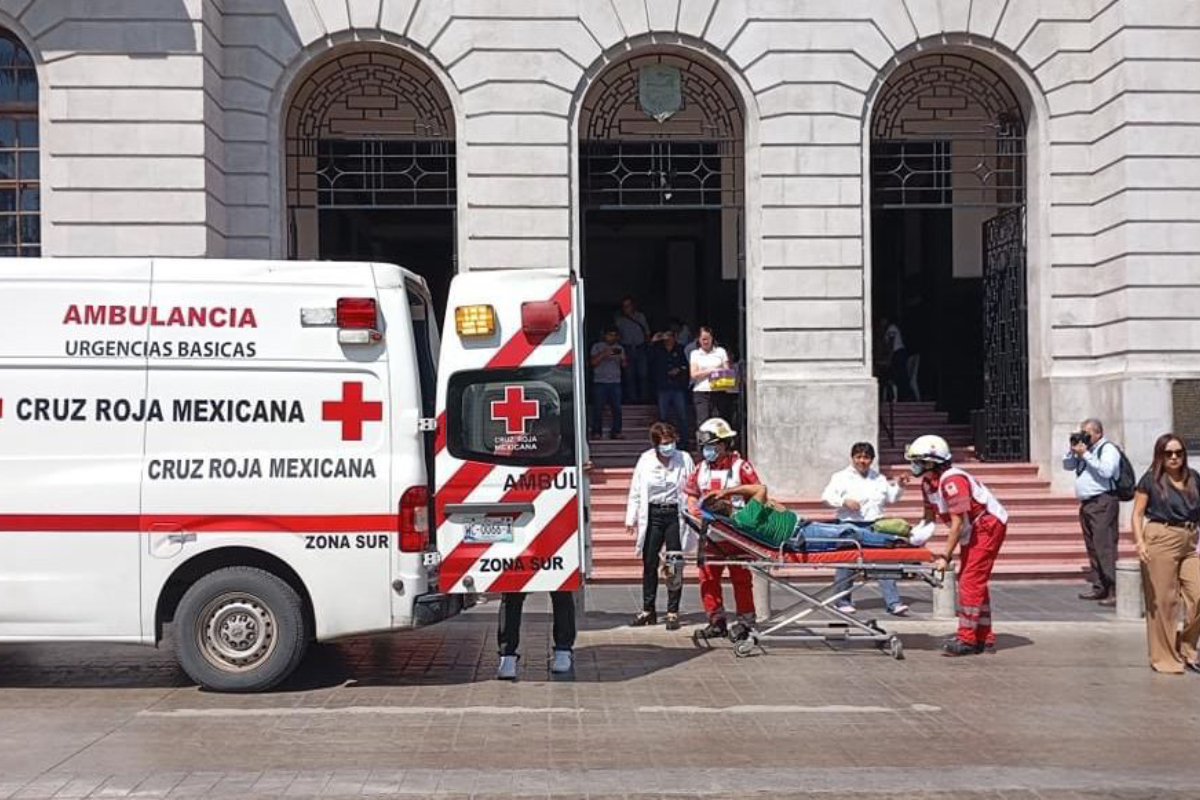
x=507, y=474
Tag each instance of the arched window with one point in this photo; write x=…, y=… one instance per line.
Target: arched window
x=20, y=177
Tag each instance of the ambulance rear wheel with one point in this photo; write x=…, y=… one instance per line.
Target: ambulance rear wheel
x=240, y=629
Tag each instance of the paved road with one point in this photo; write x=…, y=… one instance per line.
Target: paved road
x=1064, y=710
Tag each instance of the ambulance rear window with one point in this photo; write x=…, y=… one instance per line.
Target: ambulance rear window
x=519, y=417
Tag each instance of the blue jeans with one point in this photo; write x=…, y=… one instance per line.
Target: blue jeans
x=606, y=394
x=673, y=403
x=841, y=530
x=844, y=579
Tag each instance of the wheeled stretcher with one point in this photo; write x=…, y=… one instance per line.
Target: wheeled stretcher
x=812, y=616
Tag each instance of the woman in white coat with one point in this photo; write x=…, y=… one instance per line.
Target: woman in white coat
x=656, y=501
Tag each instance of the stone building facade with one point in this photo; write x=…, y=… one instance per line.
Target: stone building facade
x=164, y=129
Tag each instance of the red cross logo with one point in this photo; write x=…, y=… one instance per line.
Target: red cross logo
x=351, y=411
x=515, y=410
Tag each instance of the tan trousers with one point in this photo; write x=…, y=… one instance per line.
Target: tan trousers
x=1172, y=571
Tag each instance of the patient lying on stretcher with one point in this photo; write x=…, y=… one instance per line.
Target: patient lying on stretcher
x=771, y=524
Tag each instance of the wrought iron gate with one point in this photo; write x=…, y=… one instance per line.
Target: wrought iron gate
x=1006, y=378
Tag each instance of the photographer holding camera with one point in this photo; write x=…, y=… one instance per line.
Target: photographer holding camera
x=1097, y=466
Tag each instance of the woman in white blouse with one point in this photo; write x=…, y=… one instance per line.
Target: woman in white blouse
x=655, y=503
x=706, y=359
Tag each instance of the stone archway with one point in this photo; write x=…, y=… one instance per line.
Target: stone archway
x=370, y=168
x=948, y=196
x=662, y=192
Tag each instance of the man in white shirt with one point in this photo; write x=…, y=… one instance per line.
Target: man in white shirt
x=860, y=494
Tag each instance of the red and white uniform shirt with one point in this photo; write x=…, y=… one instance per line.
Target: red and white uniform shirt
x=958, y=492
x=726, y=472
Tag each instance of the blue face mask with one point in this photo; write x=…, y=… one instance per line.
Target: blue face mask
x=666, y=449
x=709, y=451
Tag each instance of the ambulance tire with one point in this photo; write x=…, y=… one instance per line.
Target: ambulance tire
x=235, y=611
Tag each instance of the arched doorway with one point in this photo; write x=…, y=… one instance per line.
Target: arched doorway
x=948, y=195
x=370, y=165
x=661, y=165
x=20, y=171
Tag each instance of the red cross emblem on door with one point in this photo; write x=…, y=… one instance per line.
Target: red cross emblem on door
x=352, y=411
x=515, y=410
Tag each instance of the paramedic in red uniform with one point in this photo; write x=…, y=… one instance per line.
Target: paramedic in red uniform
x=978, y=522
x=721, y=467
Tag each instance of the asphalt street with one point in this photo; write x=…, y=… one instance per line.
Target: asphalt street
x=1066, y=708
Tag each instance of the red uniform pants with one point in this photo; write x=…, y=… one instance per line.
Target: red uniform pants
x=710, y=586
x=974, y=599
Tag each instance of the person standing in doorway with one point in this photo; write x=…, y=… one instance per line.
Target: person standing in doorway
x=634, y=332
x=656, y=500
x=669, y=376
x=1096, y=463
x=705, y=360
x=897, y=356
x=607, y=358
x=1166, y=511
x=861, y=494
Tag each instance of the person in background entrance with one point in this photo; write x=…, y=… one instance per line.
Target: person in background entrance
x=897, y=356
x=1096, y=466
x=1166, y=511
x=860, y=494
x=607, y=357
x=683, y=334
x=634, y=332
x=669, y=376
x=652, y=515
x=706, y=359
x=722, y=467
x=508, y=635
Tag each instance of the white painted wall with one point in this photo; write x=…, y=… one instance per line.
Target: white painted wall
x=161, y=136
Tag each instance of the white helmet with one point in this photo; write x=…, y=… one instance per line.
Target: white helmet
x=927, y=449
x=715, y=429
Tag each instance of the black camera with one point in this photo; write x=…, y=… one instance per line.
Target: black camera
x=1080, y=437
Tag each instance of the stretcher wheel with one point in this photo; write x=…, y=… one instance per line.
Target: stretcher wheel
x=894, y=648
x=743, y=648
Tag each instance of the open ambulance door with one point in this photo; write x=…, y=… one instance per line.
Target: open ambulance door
x=509, y=510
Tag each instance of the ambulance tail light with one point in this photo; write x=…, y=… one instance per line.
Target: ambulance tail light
x=540, y=318
x=358, y=320
x=414, y=519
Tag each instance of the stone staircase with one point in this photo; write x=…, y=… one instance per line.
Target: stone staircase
x=1044, y=538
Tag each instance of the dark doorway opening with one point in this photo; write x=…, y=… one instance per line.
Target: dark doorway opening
x=421, y=240
x=670, y=262
x=938, y=312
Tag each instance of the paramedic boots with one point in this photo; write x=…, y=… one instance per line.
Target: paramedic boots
x=719, y=629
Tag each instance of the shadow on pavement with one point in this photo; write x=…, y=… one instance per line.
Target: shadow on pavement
x=88, y=666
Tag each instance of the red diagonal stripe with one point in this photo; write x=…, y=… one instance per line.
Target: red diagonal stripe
x=456, y=490
x=571, y=583
x=544, y=545
x=519, y=346
x=459, y=560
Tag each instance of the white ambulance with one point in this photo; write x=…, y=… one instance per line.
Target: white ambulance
x=248, y=451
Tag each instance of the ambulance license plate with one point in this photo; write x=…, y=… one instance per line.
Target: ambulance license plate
x=489, y=530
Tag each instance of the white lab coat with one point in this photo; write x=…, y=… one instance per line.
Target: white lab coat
x=637, y=510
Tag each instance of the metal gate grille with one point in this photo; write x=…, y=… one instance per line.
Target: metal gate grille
x=1006, y=379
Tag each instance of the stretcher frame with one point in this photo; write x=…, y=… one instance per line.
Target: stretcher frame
x=812, y=616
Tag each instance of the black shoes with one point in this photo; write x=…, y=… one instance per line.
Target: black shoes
x=1108, y=602
x=957, y=647
x=643, y=619
x=717, y=629
x=672, y=622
